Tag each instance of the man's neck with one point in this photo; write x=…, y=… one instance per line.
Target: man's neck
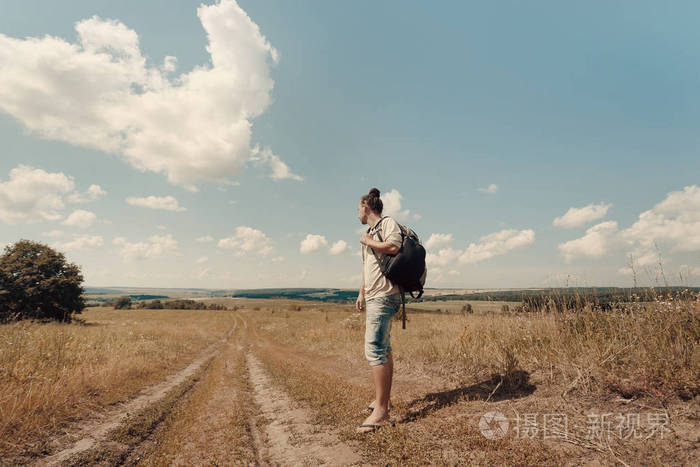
x=372, y=220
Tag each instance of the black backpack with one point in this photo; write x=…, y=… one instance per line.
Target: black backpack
x=406, y=268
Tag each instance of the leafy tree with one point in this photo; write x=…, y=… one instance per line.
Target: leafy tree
x=36, y=281
x=122, y=303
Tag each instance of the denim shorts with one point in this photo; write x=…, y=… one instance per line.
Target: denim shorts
x=379, y=314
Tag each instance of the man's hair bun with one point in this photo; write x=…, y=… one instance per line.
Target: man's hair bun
x=373, y=200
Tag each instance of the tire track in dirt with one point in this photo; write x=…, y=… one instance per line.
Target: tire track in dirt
x=291, y=437
x=87, y=433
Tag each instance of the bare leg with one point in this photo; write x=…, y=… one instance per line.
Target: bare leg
x=390, y=369
x=382, y=375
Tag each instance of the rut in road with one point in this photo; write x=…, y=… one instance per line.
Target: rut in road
x=88, y=433
x=291, y=437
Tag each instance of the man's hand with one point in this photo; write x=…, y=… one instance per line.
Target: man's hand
x=360, y=303
x=366, y=238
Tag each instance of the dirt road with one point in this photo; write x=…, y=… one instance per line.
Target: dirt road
x=190, y=416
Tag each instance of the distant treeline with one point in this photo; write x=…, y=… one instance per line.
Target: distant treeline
x=133, y=297
x=181, y=304
x=600, y=295
x=125, y=303
x=321, y=295
x=532, y=298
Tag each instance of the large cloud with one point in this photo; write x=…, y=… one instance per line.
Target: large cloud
x=80, y=242
x=101, y=93
x=576, y=217
x=671, y=225
x=247, y=240
x=496, y=244
x=437, y=240
x=675, y=222
x=34, y=195
x=80, y=218
x=338, y=247
x=488, y=246
x=312, y=243
x=157, y=246
x=597, y=241
x=391, y=201
x=443, y=257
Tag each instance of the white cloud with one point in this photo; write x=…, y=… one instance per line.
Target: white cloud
x=671, y=225
x=443, y=257
x=277, y=259
x=247, y=240
x=101, y=93
x=202, y=259
x=312, y=243
x=675, y=222
x=491, y=189
x=597, y=241
x=204, y=239
x=32, y=195
x=577, y=217
x=279, y=169
x=438, y=240
x=338, y=247
x=80, y=242
x=80, y=218
x=157, y=246
x=496, y=244
x=392, y=205
x=93, y=193
x=166, y=203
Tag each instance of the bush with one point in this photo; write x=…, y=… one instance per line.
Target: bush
x=122, y=303
x=152, y=305
x=37, y=282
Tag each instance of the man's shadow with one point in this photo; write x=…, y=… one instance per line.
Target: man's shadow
x=512, y=386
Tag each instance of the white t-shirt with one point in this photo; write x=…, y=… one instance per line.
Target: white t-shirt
x=376, y=284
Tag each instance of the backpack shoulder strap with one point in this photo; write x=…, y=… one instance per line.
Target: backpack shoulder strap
x=376, y=226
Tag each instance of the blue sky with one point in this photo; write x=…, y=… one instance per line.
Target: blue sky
x=590, y=109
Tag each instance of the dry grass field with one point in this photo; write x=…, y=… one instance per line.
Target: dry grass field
x=285, y=383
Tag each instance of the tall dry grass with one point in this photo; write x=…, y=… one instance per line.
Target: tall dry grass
x=52, y=373
x=636, y=349
x=645, y=350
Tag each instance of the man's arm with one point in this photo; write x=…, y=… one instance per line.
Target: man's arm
x=387, y=248
x=359, y=303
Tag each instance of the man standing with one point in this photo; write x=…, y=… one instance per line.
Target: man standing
x=382, y=298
